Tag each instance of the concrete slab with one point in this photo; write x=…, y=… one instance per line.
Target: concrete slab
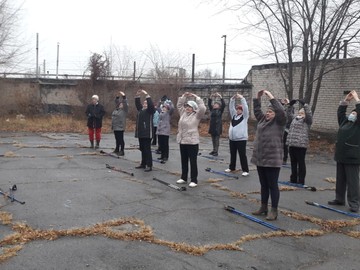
x=72, y=198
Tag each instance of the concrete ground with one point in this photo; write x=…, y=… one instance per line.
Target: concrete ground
x=81, y=215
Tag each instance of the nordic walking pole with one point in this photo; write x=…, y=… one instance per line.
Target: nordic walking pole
x=261, y=222
x=222, y=173
x=12, y=198
x=333, y=209
x=118, y=170
x=297, y=185
x=108, y=154
x=170, y=185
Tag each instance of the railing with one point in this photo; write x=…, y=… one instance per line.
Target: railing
x=126, y=78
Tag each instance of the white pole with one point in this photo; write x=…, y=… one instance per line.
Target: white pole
x=224, y=36
x=57, y=61
x=37, y=56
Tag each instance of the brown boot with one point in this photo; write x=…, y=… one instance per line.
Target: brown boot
x=262, y=211
x=272, y=214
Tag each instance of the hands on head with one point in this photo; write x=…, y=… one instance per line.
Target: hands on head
x=266, y=93
x=285, y=101
x=352, y=95
x=141, y=91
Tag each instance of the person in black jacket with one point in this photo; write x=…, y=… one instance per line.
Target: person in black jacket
x=215, y=127
x=95, y=113
x=144, y=127
x=347, y=154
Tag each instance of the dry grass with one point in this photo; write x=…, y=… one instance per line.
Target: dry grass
x=65, y=123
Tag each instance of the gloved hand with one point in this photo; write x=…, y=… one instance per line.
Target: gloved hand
x=301, y=101
x=292, y=102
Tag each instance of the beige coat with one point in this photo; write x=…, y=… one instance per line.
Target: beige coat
x=188, y=127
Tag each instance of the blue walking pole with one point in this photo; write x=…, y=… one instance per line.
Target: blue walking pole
x=333, y=209
x=297, y=185
x=222, y=173
x=264, y=223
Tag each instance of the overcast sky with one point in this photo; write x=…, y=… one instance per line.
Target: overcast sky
x=83, y=27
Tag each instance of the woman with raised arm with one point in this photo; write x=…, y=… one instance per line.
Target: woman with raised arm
x=268, y=151
x=215, y=127
x=298, y=140
x=347, y=154
x=238, y=133
x=143, y=131
x=118, y=122
x=191, y=112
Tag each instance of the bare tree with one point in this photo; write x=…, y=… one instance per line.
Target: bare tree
x=10, y=46
x=126, y=63
x=305, y=33
x=207, y=76
x=166, y=67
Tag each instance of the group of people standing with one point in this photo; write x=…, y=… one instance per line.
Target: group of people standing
x=279, y=133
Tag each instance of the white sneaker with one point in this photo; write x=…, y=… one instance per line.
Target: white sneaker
x=192, y=184
x=228, y=170
x=245, y=174
x=180, y=181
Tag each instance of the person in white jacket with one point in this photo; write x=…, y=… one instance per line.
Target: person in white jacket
x=238, y=133
x=191, y=112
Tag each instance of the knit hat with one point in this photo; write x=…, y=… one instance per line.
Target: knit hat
x=95, y=97
x=192, y=104
x=271, y=107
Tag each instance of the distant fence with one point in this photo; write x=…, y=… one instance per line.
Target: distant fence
x=143, y=78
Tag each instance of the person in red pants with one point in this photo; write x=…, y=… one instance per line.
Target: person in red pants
x=95, y=113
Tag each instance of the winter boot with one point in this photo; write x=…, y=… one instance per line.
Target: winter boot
x=272, y=214
x=121, y=153
x=91, y=144
x=97, y=144
x=262, y=211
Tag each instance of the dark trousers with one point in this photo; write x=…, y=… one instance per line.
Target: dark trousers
x=154, y=135
x=268, y=177
x=298, y=166
x=189, y=152
x=238, y=147
x=347, y=180
x=164, y=145
x=145, y=148
x=215, y=143
x=286, y=148
x=119, y=139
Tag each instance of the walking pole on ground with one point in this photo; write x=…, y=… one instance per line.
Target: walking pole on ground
x=222, y=173
x=170, y=185
x=109, y=154
x=264, y=223
x=118, y=169
x=297, y=185
x=11, y=196
x=333, y=209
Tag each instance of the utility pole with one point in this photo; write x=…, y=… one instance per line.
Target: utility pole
x=193, y=68
x=37, y=55
x=223, y=79
x=57, y=61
